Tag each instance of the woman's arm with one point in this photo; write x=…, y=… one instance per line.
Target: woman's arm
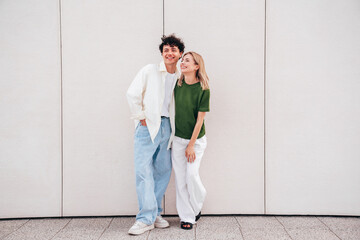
x=190, y=152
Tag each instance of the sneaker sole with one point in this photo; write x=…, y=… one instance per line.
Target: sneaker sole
x=141, y=231
x=164, y=225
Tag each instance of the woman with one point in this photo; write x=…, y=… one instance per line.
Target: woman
x=192, y=97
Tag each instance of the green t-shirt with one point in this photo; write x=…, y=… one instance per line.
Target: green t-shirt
x=189, y=100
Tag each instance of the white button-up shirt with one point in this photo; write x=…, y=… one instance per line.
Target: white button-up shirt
x=146, y=97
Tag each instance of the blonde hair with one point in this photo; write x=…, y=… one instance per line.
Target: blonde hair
x=200, y=73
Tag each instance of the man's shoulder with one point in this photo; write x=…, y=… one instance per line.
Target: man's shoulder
x=150, y=67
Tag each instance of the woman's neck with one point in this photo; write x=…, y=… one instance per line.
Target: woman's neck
x=190, y=78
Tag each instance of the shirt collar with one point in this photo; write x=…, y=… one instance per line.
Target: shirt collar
x=162, y=68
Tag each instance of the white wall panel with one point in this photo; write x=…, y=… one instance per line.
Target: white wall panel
x=312, y=104
x=312, y=110
x=105, y=43
x=230, y=37
x=30, y=150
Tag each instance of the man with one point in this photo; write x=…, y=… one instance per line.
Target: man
x=149, y=97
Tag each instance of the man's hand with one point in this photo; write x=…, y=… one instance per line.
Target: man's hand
x=143, y=122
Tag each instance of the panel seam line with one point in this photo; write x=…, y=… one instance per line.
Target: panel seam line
x=61, y=116
x=163, y=17
x=265, y=42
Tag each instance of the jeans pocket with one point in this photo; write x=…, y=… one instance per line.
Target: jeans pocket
x=201, y=143
x=141, y=131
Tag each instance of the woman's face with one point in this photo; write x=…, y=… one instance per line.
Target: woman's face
x=188, y=64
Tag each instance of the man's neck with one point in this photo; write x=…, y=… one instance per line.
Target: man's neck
x=170, y=68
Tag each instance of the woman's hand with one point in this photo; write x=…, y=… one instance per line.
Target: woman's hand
x=190, y=154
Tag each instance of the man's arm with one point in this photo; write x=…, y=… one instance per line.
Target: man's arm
x=135, y=95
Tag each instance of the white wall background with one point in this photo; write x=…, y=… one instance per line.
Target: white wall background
x=283, y=128
x=30, y=106
x=313, y=107
x=104, y=45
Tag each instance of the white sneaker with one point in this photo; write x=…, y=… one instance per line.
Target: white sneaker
x=140, y=228
x=161, y=223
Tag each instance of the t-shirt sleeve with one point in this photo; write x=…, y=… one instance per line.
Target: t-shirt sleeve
x=204, y=105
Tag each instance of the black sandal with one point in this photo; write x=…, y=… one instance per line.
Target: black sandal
x=198, y=216
x=186, y=225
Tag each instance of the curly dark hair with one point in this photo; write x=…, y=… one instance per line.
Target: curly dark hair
x=172, y=41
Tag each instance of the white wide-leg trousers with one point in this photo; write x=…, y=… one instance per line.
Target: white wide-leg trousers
x=190, y=192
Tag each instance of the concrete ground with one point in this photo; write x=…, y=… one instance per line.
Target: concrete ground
x=233, y=227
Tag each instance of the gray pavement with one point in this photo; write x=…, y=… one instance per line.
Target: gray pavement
x=222, y=227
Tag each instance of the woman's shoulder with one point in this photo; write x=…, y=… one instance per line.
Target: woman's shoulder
x=205, y=91
x=205, y=94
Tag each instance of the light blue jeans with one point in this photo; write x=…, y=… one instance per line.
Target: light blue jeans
x=152, y=170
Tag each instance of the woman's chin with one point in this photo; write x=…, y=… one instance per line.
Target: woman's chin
x=186, y=71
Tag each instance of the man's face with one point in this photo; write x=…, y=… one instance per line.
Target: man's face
x=171, y=54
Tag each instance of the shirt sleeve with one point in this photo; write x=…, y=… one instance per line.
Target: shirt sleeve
x=135, y=95
x=204, y=105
